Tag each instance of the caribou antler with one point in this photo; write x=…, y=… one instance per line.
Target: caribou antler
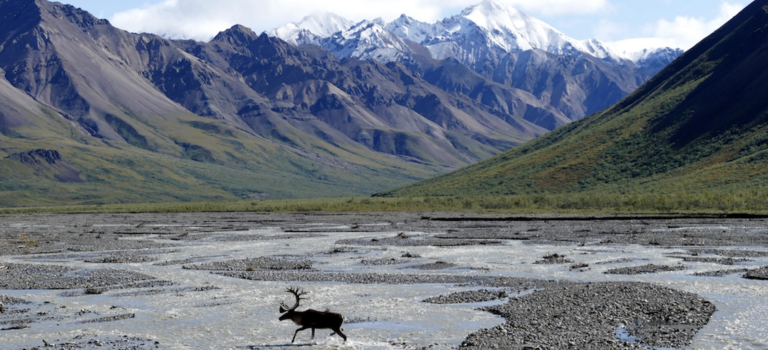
x=298, y=293
x=310, y=319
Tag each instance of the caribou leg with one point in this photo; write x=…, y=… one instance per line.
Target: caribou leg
x=337, y=330
x=297, y=332
x=313, y=333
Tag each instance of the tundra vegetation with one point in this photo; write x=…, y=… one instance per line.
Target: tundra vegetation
x=746, y=201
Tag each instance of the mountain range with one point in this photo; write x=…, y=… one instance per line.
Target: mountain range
x=699, y=126
x=502, y=44
x=90, y=113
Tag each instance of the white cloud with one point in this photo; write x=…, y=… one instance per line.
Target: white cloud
x=560, y=7
x=609, y=30
x=683, y=32
x=202, y=19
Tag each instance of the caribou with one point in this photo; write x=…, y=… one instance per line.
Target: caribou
x=311, y=318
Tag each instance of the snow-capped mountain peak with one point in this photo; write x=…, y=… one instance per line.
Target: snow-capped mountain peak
x=412, y=29
x=312, y=28
x=509, y=29
x=489, y=29
x=655, y=57
x=368, y=40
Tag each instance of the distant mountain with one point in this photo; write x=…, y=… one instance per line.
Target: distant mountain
x=370, y=41
x=502, y=44
x=312, y=28
x=497, y=29
x=382, y=107
x=93, y=114
x=655, y=58
x=698, y=126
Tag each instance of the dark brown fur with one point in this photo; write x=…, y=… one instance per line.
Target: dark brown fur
x=311, y=319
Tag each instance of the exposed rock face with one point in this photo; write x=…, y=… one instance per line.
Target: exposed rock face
x=37, y=157
x=48, y=161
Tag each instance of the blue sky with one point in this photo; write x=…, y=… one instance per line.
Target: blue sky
x=626, y=23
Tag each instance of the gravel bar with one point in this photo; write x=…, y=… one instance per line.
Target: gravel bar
x=650, y=268
x=376, y=278
x=260, y=263
x=473, y=296
x=759, y=274
x=42, y=277
x=720, y=273
x=404, y=240
x=588, y=316
x=720, y=261
x=553, y=259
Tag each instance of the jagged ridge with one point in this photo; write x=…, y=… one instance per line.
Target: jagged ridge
x=502, y=44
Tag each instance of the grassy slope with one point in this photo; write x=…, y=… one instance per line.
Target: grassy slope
x=699, y=126
x=184, y=158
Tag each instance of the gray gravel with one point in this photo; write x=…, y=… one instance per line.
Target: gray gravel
x=721, y=261
x=732, y=253
x=553, y=259
x=650, y=268
x=376, y=278
x=605, y=230
x=557, y=318
x=256, y=237
x=6, y=300
x=562, y=311
x=125, y=259
x=260, y=263
x=185, y=261
x=619, y=261
x=98, y=342
x=404, y=240
x=86, y=232
x=110, y=318
x=721, y=273
x=472, y=296
x=438, y=265
x=759, y=274
x=32, y=277
x=384, y=262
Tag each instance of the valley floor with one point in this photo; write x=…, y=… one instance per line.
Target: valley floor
x=402, y=280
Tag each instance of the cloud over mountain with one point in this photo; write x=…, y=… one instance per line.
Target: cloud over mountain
x=201, y=20
x=682, y=32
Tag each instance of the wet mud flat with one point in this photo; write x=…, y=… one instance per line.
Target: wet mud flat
x=175, y=281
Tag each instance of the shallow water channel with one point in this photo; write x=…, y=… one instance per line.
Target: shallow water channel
x=243, y=314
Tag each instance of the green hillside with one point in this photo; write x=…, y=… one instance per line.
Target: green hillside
x=172, y=157
x=698, y=126
x=215, y=162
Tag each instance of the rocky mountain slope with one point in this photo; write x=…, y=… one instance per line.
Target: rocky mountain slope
x=135, y=117
x=502, y=44
x=698, y=126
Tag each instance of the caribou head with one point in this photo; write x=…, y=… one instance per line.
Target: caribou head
x=311, y=318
